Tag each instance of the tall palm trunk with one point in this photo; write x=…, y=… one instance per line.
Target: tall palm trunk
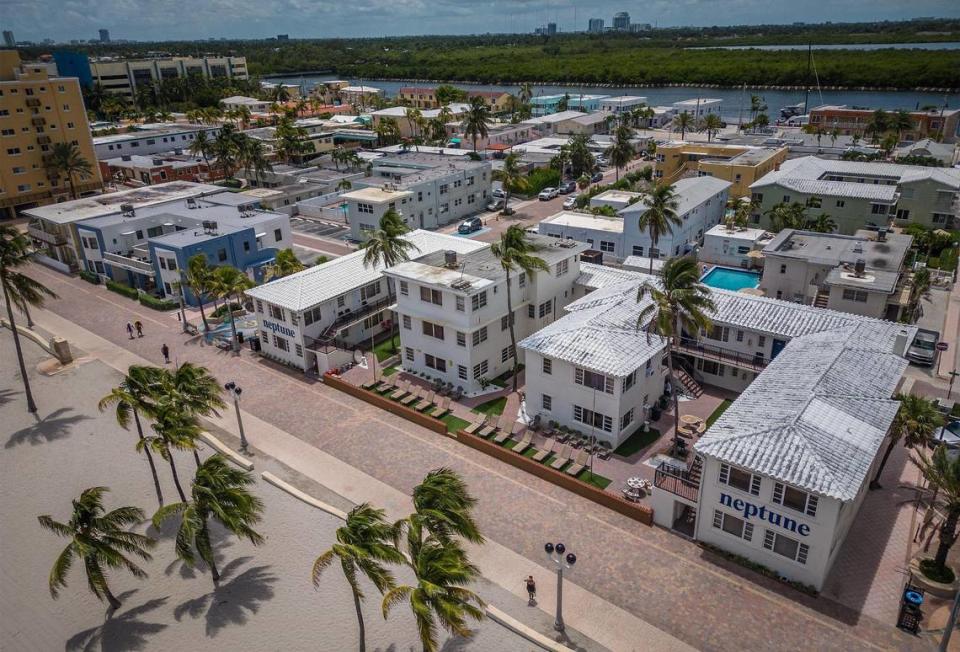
x=948, y=534
x=654, y=242
x=203, y=315
x=513, y=335
x=176, y=477
x=73, y=191
x=26, y=313
x=212, y=562
x=875, y=484
x=31, y=405
x=233, y=327
x=363, y=630
x=153, y=466
x=677, y=329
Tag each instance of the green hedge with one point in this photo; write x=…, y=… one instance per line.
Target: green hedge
x=119, y=288
x=153, y=302
x=89, y=277
x=542, y=178
x=222, y=309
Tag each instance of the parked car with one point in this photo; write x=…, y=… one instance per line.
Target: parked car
x=597, y=177
x=499, y=193
x=570, y=202
x=602, y=162
x=548, y=193
x=495, y=204
x=923, y=349
x=567, y=187
x=470, y=225
x=948, y=436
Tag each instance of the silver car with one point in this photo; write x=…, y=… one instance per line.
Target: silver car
x=923, y=349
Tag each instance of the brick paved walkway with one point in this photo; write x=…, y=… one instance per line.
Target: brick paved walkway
x=668, y=582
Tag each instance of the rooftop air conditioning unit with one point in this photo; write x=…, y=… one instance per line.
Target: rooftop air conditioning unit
x=127, y=209
x=450, y=258
x=860, y=267
x=191, y=202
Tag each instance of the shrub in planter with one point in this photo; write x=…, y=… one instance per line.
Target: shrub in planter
x=157, y=304
x=119, y=288
x=89, y=277
x=222, y=310
x=930, y=570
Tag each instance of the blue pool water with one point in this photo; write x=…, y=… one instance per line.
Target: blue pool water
x=727, y=278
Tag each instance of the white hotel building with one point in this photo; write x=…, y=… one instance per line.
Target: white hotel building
x=453, y=314
x=310, y=320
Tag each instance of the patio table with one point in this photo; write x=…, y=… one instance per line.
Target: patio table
x=636, y=482
x=690, y=420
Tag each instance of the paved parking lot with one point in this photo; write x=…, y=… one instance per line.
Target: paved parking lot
x=318, y=228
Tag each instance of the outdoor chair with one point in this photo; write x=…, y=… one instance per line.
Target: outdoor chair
x=477, y=423
x=441, y=410
x=630, y=494
x=370, y=385
x=562, y=436
x=518, y=427
x=605, y=451
x=402, y=390
x=387, y=386
x=458, y=394
x=427, y=402
x=544, y=453
x=491, y=427
x=580, y=462
x=412, y=397
x=562, y=457
x=524, y=443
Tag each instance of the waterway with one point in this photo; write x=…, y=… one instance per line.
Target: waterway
x=664, y=96
x=952, y=45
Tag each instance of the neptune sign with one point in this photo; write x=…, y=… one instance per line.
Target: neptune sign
x=749, y=510
x=277, y=328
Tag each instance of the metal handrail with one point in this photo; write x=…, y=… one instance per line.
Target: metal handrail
x=676, y=481
x=719, y=354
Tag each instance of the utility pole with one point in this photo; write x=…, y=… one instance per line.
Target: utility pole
x=806, y=95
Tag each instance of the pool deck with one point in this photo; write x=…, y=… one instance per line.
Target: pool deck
x=730, y=272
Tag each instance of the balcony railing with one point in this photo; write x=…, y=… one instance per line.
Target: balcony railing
x=55, y=239
x=719, y=354
x=676, y=481
x=126, y=262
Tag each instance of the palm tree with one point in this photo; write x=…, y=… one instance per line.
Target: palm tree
x=190, y=390
x=942, y=472
x=172, y=430
x=682, y=122
x=660, y=216
x=438, y=596
x=476, y=119
x=66, y=157
x=99, y=540
x=443, y=505
x=516, y=253
x=387, y=247
x=20, y=290
x=290, y=139
x=284, y=264
x=364, y=545
x=583, y=181
x=201, y=146
x=711, y=124
x=132, y=397
x=621, y=150
x=199, y=278
x=679, y=302
x=230, y=283
x=900, y=121
x=526, y=93
x=219, y=492
x=761, y=121
x=916, y=422
x=878, y=123
x=414, y=117
x=919, y=291
x=787, y=216
x=511, y=178
x=822, y=223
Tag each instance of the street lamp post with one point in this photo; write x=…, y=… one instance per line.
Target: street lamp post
x=953, y=376
x=234, y=389
x=556, y=554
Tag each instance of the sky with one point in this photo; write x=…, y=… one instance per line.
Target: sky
x=63, y=20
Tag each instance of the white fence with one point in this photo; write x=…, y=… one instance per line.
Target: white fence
x=52, y=262
x=324, y=207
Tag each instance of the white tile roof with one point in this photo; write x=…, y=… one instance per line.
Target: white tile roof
x=816, y=417
x=313, y=286
x=691, y=192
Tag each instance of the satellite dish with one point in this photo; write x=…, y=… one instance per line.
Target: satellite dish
x=357, y=356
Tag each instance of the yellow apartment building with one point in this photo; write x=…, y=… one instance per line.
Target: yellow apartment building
x=741, y=165
x=36, y=111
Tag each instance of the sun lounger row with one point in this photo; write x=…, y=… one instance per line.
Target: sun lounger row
x=419, y=398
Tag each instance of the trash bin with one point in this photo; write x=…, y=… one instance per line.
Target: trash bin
x=910, y=615
x=240, y=337
x=255, y=344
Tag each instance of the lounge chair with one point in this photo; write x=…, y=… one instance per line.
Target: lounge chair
x=476, y=425
x=387, y=386
x=427, y=401
x=524, y=443
x=412, y=397
x=441, y=410
x=544, y=453
x=402, y=390
x=491, y=427
x=370, y=385
x=562, y=457
x=579, y=463
x=605, y=451
x=518, y=427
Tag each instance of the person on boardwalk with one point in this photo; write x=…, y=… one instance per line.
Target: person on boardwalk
x=165, y=350
x=531, y=589
x=130, y=330
x=139, y=326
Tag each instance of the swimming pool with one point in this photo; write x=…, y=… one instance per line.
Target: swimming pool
x=728, y=278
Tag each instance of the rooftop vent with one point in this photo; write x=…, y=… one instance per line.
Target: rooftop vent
x=191, y=202
x=860, y=267
x=461, y=284
x=450, y=258
x=209, y=226
x=567, y=244
x=858, y=247
x=127, y=210
x=158, y=161
x=882, y=235
x=126, y=157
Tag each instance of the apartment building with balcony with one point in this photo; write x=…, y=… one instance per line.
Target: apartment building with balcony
x=125, y=76
x=942, y=125
x=146, y=139
x=622, y=103
x=160, y=168
x=547, y=104
x=862, y=194
x=37, y=111
x=741, y=165
x=304, y=318
x=454, y=319
x=733, y=246
x=428, y=190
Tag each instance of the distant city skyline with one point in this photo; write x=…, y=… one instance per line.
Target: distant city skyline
x=66, y=20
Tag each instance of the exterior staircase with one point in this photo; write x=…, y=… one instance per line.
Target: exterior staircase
x=690, y=386
x=696, y=469
x=822, y=299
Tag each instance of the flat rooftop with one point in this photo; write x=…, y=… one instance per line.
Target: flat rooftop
x=747, y=234
x=144, y=161
x=160, y=131
x=754, y=156
x=376, y=195
x=834, y=249
x=98, y=205
x=574, y=220
x=223, y=214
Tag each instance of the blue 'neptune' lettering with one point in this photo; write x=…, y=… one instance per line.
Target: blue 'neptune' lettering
x=749, y=510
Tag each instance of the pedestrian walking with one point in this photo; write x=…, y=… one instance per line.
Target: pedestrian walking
x=139, y=326
x=531, y=589
x=165, y=350
x=130, y=330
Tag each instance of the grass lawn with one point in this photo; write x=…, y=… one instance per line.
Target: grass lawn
x=720, y=410
x=454, y=423
x=492, y=408
x=389, y=371
x=384, y=349
x=594, y=479
x=636, y=442
x=503, y=379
